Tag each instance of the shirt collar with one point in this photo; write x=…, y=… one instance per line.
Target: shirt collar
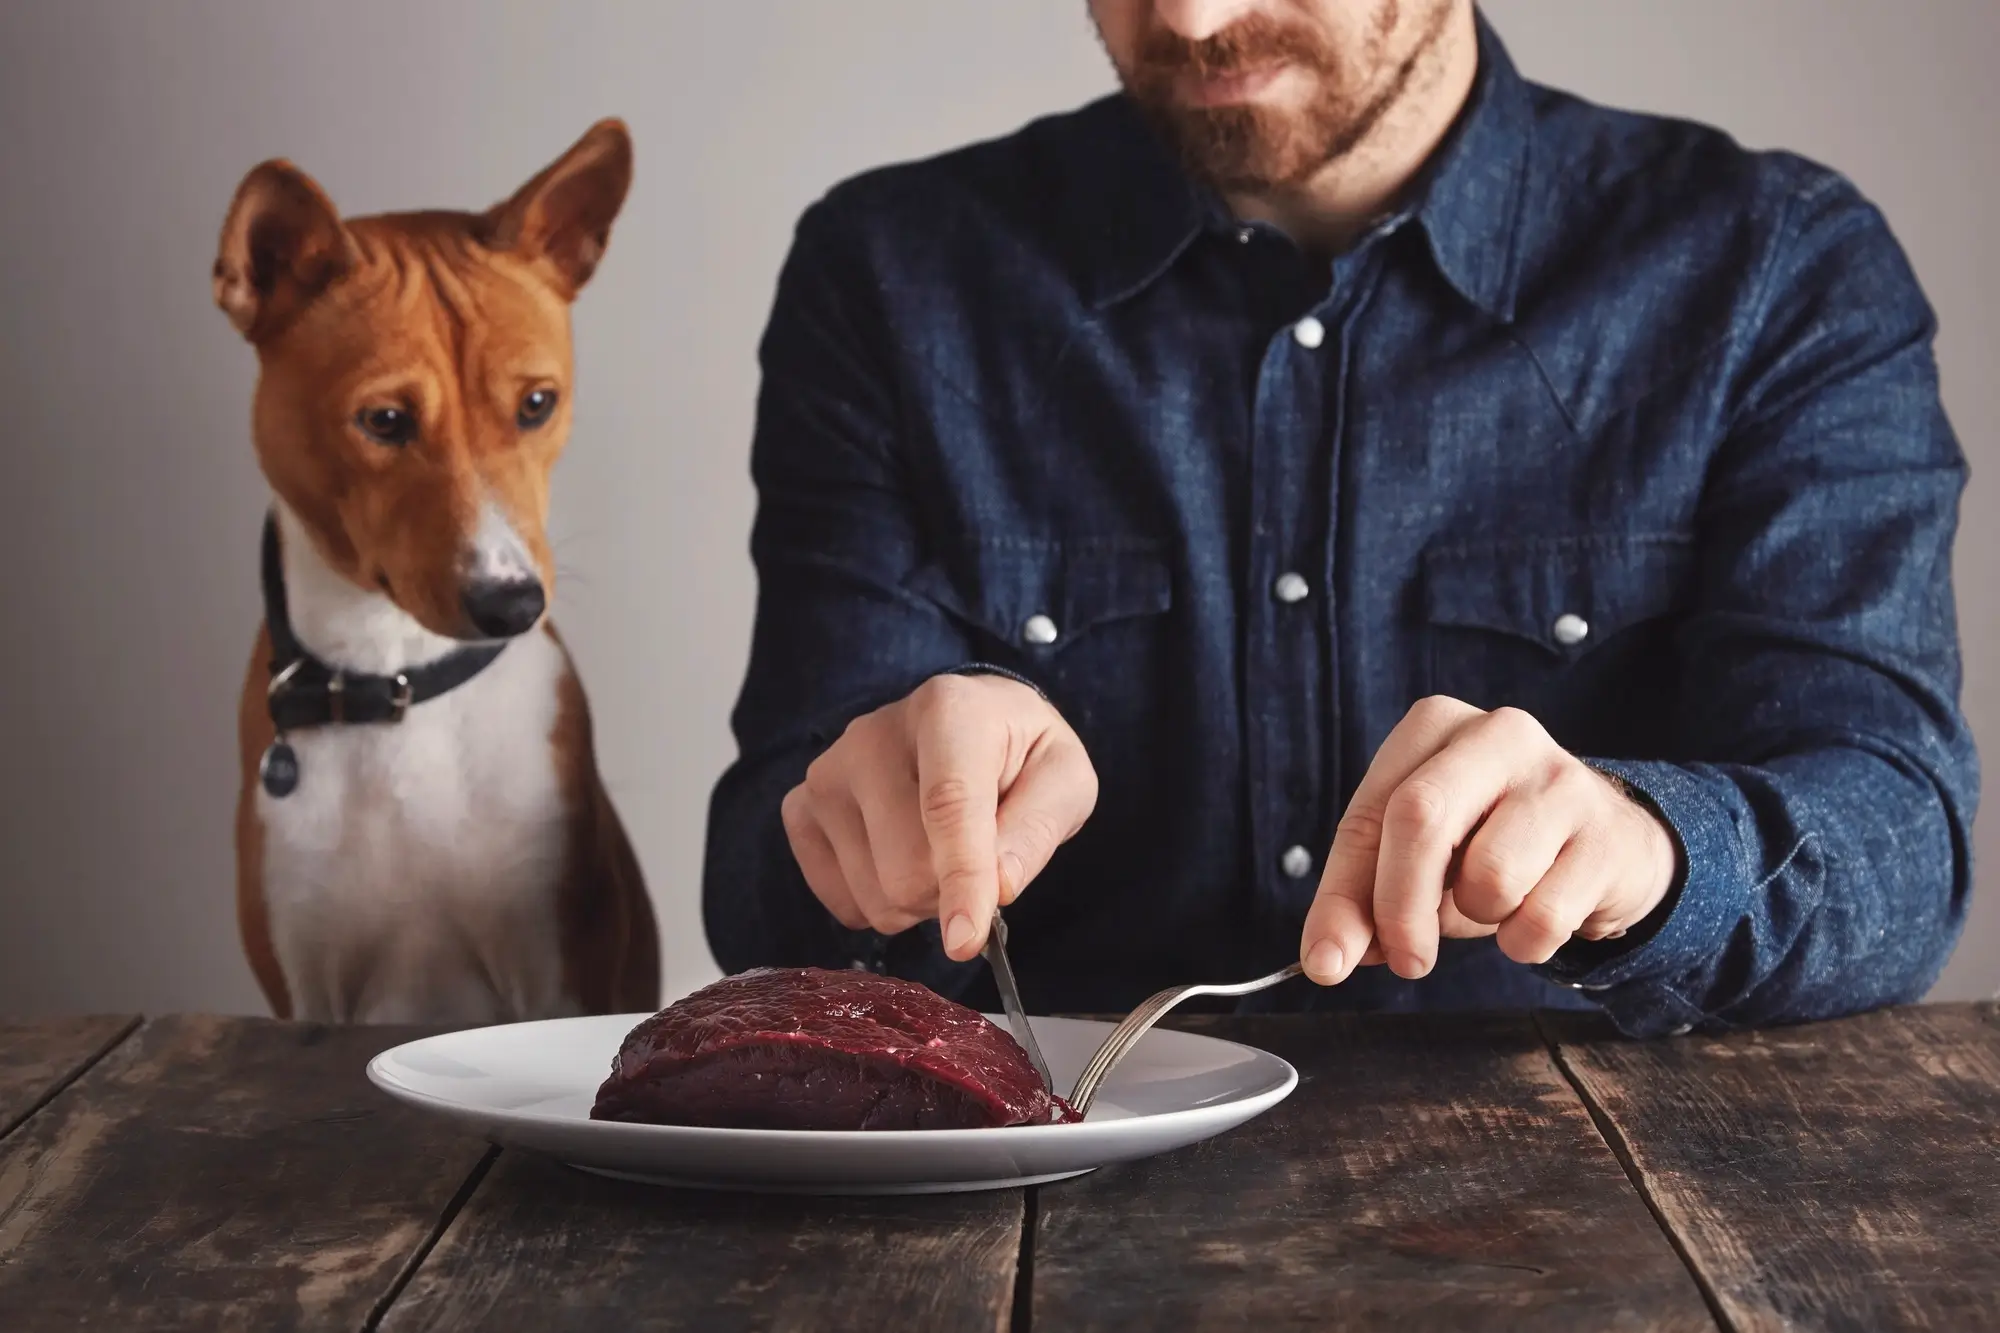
x=1469, y=196
x=1467, y=200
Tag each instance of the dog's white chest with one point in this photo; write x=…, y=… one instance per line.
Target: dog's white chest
x=413, y=874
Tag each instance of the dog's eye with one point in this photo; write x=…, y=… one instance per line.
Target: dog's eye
x=536, y=407
x=387, y=425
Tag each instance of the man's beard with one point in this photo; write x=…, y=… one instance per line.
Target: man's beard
x=1256, y=149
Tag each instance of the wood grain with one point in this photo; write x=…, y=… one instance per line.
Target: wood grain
x=219, y=1174
x=541, y=1246
x=38, y=1058
x=1426, y=1174
x=1841, y=1176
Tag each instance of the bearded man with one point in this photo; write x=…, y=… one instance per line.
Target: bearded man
x=1338, y=501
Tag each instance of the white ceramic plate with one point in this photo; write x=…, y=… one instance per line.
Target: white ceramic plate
x=530, y=1085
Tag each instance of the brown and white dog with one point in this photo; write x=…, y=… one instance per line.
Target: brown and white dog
x=422, y=835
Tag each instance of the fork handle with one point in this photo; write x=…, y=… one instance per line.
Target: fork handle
x=1283, y=974
x=1123, y=1037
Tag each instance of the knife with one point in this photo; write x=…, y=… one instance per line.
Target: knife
x=1010, y=997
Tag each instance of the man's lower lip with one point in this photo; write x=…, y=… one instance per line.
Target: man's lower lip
x=1225, y=89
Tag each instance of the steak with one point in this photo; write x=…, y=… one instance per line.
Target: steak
x=807, y=1048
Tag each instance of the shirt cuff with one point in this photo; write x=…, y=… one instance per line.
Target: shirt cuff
x=1707, y=900
x=988, y=669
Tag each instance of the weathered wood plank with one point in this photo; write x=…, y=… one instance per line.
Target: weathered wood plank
x=1843, y=1175
x=541, y=1246
x=218, y=1174
x=38, y=1058
x=1427, y=1173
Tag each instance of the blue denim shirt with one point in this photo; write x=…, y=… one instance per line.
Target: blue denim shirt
x=1614, y=421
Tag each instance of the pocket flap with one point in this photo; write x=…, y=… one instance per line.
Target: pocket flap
x=1041, y=594
x=1564, y=593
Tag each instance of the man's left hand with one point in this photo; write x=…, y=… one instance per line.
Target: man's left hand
x=1474, y=823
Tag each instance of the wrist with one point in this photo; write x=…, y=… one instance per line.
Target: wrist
x=1657, y=855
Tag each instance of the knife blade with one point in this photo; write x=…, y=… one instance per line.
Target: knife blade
x=1010, y=997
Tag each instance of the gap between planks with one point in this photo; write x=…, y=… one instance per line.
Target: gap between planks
x=1614, y=1139
x=1021, y=1319
x=83, y=1066
x=473, y=1180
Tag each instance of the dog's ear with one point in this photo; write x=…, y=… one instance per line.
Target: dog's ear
x=563, y=216
x=282, y=243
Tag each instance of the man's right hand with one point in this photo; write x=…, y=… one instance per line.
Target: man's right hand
x=946, y=803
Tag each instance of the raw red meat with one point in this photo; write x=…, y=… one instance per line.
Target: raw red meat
x=805, y=1048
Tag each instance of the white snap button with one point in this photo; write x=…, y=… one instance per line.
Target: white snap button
x=1309, y=332
x=1290, y=587
x=1039, y=630
x=1570, y=629
x=1243, y=235
x=1297, y=862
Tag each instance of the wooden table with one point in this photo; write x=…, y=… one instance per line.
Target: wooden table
x=1506, y=1172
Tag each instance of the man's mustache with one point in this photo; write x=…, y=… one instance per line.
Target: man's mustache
x=1249, y=43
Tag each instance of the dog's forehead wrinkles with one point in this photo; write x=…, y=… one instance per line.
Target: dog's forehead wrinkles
x=465, y=321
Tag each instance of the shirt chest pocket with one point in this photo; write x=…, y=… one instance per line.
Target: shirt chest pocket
x=1575, y=630
x=1081, y=618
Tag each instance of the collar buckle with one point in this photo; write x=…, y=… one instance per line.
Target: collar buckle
x=399, y=703
x=283, y=678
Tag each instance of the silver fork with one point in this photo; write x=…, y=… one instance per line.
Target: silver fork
x=1137, y=1023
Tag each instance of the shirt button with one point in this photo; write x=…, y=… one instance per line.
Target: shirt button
x=1243, y=235
x=1290, y=588
x=1297, y=862
x=1570, y=630
x=1039, y=629
x=1309, y=332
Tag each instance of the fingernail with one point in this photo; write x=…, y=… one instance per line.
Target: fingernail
x=958, y=933
x=1324, y=961
x=1408, y=965
x=1010, y=874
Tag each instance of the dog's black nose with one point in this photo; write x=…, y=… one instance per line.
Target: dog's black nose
x=502, y=608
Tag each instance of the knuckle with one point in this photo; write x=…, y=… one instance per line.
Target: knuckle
x=947, y=801
x=890, y=919
x=856, y=732
x=1416, y=811
x=1569, y=779
x=957, y=881
x=1517, y=724
x=1037, y=835
x=1435, y=711
x=1360, y=826
x=1494, y=873
x=823, y=776
x=1543, y=919
x=963, y=887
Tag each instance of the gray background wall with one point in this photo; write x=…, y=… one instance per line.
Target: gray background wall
x=130, y=501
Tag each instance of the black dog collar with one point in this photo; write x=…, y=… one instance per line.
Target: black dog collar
x=306, y=692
